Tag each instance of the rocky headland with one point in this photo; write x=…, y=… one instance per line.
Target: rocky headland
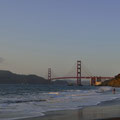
x=115, y=82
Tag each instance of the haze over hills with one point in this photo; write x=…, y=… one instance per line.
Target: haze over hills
x=7, y=77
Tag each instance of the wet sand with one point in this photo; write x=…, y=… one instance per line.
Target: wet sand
x=100, y=112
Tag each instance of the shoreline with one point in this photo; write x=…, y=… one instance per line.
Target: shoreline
x=107, y=110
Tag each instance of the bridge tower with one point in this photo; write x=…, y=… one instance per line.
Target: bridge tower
x=78, y=72
x=93, y=81
x=49, y=74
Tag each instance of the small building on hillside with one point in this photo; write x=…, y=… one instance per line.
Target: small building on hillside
x=95, y=81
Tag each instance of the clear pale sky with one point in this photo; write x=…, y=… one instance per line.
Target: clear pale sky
x=37, y=34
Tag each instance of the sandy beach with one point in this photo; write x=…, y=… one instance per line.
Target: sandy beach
x=101, y=112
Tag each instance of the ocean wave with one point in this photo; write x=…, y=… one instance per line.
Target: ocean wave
x=36, y=104
x=23, y=101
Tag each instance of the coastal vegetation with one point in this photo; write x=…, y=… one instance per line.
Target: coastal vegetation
x=115, y=82
x=7, y=77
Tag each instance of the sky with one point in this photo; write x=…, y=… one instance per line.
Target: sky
x=38, y=34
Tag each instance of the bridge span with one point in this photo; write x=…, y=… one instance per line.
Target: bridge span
x=78, y=77
x=57, y=78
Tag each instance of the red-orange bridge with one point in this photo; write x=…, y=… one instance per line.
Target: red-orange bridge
x=78, y=76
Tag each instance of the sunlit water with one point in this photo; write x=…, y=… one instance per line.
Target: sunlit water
x=22, y=101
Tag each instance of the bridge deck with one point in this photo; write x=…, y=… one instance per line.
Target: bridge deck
x=80, y=77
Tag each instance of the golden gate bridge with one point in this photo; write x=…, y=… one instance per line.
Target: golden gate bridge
x=78, y=76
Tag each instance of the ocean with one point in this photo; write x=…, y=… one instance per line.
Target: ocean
x=23, y=101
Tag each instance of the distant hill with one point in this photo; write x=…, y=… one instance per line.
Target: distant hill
x=7, y=77
x=115, y=82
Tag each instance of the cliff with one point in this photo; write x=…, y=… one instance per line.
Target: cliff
x=115, y=82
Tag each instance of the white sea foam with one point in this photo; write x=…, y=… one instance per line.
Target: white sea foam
x=36, y=104
x=53, y=93
x=104, y=89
